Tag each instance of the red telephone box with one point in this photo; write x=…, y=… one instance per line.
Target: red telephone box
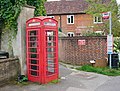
x=42, y=49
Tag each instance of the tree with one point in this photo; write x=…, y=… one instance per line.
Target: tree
x=9, y=11
x=96, y=7
x=39, y=4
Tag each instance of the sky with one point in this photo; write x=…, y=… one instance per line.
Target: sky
x=118, y=1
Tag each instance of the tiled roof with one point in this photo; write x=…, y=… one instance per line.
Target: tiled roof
x=66, y=6
x=63, y=7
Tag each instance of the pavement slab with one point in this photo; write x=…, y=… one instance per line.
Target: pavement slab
x=111, y=85
x=71, y=80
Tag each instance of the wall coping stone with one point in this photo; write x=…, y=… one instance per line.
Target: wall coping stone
x=29, y=6
x=8, y=59
x=82, y=37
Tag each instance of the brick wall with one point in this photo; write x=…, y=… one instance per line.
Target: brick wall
x=70, y=52
x=82, y=22
x=9, y=68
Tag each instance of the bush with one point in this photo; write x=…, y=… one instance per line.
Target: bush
x=92, y=34
x=117, y=44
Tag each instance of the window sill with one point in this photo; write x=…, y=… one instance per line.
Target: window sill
x=70, y=23
x=98, y=22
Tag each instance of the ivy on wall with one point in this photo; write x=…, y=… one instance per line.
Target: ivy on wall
x=9, y=12
x=10, y=9
x=39, y=4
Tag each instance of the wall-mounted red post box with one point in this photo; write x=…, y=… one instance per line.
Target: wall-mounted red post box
x=42, y=49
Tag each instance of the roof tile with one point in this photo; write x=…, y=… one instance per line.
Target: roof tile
x=67, y=6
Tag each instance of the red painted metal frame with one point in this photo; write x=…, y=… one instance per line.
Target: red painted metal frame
x=42, y=25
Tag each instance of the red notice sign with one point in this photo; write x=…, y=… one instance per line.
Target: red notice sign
x=81, y=42
x=105, y=15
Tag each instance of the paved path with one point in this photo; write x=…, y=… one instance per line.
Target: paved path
x=111, y=85
x=71, y=80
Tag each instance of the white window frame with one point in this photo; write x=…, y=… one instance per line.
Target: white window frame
x=70, y=17
x=96, y=21
x=70, y=34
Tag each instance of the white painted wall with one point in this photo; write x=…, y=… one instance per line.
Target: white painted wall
x=18, y=47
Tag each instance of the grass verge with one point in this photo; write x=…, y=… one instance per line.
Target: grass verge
x=104, y=71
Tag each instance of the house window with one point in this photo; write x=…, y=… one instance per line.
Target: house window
x=97, y=19
x=70, y=19
x=70, y=34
